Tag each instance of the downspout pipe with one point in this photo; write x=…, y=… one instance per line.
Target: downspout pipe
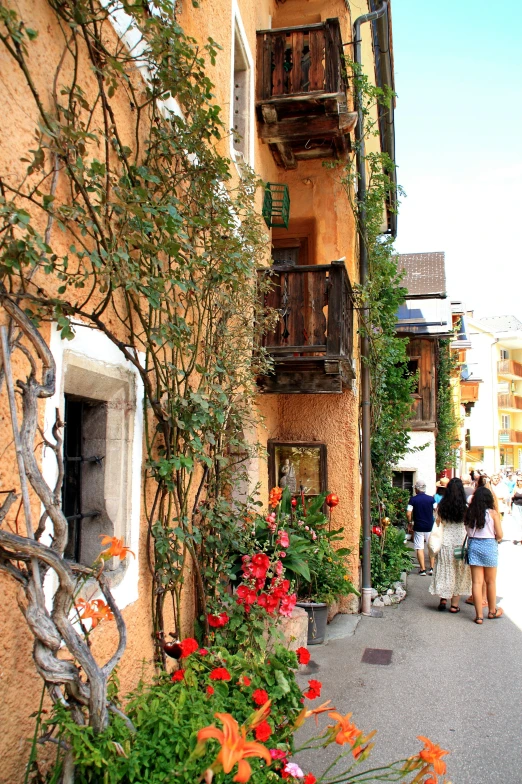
x=366, y=603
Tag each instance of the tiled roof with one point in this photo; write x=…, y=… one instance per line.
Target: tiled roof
x=425, y=273
x=502, y=323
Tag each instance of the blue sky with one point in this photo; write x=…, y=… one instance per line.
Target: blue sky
x=458, y=73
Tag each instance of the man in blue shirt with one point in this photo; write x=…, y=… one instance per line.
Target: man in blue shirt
x=420, y=512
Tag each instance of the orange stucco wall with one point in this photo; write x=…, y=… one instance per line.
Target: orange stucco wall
x=316, y=195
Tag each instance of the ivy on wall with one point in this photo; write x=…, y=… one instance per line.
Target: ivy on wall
x=447, y=440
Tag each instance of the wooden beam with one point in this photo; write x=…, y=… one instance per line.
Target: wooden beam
x=269, y=113
x=287, y=156
x=300, y=128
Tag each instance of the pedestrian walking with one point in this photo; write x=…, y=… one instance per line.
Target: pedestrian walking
x=500, y=490
x=420, y=513
x=451, y=578
x=484, y=529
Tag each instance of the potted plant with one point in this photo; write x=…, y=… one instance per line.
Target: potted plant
x=329, y=578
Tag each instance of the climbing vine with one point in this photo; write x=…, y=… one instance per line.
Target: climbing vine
x=446, y=441
x=378, y=302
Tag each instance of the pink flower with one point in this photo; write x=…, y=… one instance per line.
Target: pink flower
x=287, y=605
x=279, y=568
x=283, y=539
x=277, y=754
x=292, y=769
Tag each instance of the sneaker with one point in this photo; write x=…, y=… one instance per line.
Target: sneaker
x=429, y=572
x=422, y=573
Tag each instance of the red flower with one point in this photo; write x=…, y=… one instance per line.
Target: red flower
x=210, y=690
x=179, y=675
x=218, y=620
x=244, y=681
x=188, y=646
x=260, y=696
x=294, y=502
x=283, y=539
x=279, y=588
x=279, y=568
x=260, y=565
x=268, y=601
x=315, y=689
x=377, y=530
x=303, y=655
x=263, y=731
x=246, y=595
x=288, y=604
x=277, y=754
x=309, y=779
x=220, y=674
x=203, y=652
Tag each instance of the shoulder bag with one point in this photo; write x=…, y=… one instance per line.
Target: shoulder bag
x=435, y=540
x=461, y=552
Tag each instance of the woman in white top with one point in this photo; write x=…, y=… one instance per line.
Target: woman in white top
x=484, y=530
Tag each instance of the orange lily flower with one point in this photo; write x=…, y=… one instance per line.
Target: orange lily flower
x=275, y=496
x=346, y=731
x=305, y=714
x=432, y=754
x=234, y=747
x=116, y=549
x=96, y=610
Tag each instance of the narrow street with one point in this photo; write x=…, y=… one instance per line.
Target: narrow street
x=455, y=682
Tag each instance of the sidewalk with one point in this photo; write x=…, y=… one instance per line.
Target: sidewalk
x=455, y=682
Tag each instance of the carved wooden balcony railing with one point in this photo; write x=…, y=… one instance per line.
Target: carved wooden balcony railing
x=312, y=343
x=510, y=402
x=509, y=368
x=469, y=391
x=301, y=93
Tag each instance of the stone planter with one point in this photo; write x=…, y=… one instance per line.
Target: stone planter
x=317, y=618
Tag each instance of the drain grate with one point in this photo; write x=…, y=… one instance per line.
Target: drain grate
x=377, y=656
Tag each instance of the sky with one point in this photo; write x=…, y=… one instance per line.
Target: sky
x=458, y=75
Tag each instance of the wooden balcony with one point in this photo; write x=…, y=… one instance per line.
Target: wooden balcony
x=508, y=368
x=312, y=343
x=510, y=436
x=301, y=90
x=510, y=402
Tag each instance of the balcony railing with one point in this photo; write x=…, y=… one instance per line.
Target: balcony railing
x=469, y=391
x=313, y=337
x=301, y=92
x=509, y=368
x=510, y=436
x=296, y=60
x=510, y=402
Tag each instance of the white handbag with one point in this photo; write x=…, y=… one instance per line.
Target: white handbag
x=435, y=540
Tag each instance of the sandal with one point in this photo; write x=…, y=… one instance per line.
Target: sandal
x=454, y=609
x=442, y=605
x=479, y=620
x=499, y=612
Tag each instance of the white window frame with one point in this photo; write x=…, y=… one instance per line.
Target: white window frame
x=505, y=421
x=94, y=345
x=238, y=29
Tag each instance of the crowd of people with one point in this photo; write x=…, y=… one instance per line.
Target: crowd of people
x=462, y=527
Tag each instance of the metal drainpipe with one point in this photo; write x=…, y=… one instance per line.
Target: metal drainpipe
x=366, y=604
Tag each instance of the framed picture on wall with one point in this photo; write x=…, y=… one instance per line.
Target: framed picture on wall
x=296, y=464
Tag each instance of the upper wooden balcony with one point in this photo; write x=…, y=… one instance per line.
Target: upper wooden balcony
x=311, y=345
x=508, y=368
x=469, y=391
x=509, y=402
x=301, y=91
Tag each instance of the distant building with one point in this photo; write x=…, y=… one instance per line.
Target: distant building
x=494, y=425
x=425, y=318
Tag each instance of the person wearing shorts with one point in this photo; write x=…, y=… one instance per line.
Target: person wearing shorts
x=420, y=513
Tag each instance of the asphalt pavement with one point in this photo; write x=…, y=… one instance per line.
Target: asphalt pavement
x=449, y=679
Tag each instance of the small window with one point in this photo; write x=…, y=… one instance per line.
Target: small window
x=241, y=100
x=404, y=480
x=85, y=438
x=504, y=354
x=506, y=422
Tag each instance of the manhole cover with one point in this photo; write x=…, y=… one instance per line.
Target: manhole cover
x=377, y=656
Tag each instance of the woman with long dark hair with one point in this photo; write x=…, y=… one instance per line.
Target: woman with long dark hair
x=451, y=578
x=484, y=530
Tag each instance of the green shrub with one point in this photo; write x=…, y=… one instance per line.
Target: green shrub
x=390, y=557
